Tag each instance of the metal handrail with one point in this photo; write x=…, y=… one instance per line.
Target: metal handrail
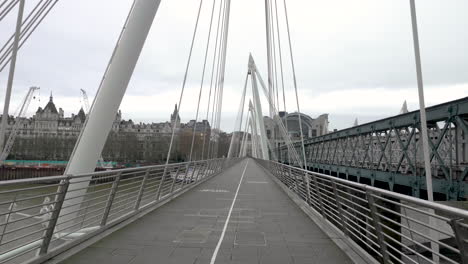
x=400, y=228
x=33, y=226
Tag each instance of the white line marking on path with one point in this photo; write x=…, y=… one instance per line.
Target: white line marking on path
x=215, y=253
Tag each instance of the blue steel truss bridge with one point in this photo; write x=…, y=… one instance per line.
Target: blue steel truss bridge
x=388, y=153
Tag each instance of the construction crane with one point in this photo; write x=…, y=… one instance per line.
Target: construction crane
x=18, y=123
x=86, y=109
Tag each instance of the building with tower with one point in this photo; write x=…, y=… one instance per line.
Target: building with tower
x=49, y=135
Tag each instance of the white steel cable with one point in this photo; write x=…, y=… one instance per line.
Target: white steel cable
x=26, y=20
x=275, y=70
x=174, y=125
x=221, y=72
x=24, y=39
x=214, y=131
x=295, y=83
x=202, y=79
x=211, y=85
x=7, y=9
x=280, y=124
x=26, y=25
x=218, y=95
x=238, y=122
x=268, y=44
x=282, y=73
x=273, y=51
x=223, y=69
x=3, y=3
x=242, y=146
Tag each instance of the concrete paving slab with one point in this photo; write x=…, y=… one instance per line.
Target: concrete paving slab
x=265, y=226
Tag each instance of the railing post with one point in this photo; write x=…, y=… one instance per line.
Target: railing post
x=198, y=169
x=282, y=174
x=186, y=174
x=216, y=166
x=142, y=188
x=289, y=176
x=319, y=196
x=202, y=169
x=175, y=179
x=378, y=228
x=340, y=208
x=278, y=170
x=110, y=200
x=219, y=166
x=296, y=182
x=210, y=167
x=49, y=233
x=205, y=168
x=461, y=235
x=193, y=171
x=163, y=177
x=306, y=181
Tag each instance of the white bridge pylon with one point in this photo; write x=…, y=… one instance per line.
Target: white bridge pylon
x=259, y=138
x=106, y=103
x=260, y=145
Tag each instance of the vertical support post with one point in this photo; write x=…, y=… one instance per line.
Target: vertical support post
x=185, y=176
x=283, y=174
x=49, y=233
x=461, y=235
x=193, y=165
x=11, y=74
x=196, y=169
x=209, y=167
x=163, y=178
x=175, y=179
x=340, y=209
x=307, y=182
x=218, y=162
x=378, y=229
x=110, y=200
x=296, y=182
x=319, y=196
x=11, y=208
x=142, y=190
x=290, y=173
x=201, y=170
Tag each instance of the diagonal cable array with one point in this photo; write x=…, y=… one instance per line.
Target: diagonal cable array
x=6, y=6
x=274, y=53
x=260, y=141
x=215, y=92
x=28, y=26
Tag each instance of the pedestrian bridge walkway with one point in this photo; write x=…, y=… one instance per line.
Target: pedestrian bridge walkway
x=240, y=216
x=222, y=211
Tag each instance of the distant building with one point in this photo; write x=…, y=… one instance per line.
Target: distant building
x=310, y=127
x=49, y=135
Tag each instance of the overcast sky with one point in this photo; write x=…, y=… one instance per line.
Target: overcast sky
x=354, y=58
